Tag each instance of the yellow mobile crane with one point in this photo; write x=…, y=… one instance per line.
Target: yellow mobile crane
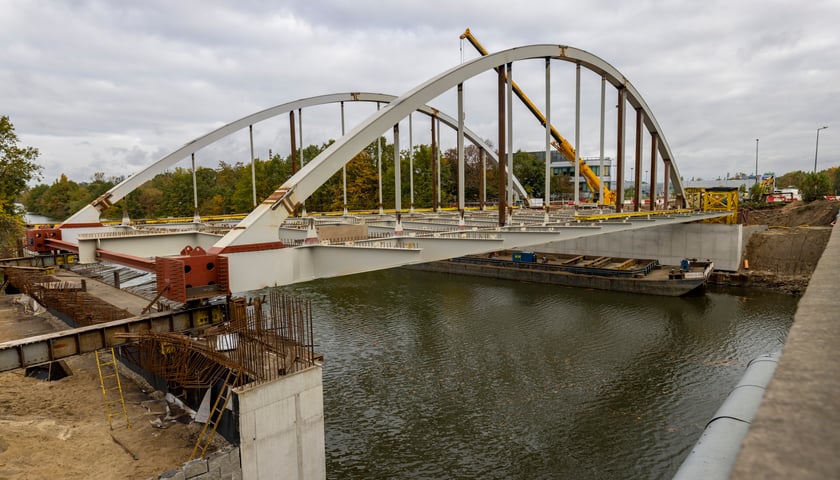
x=561, y=144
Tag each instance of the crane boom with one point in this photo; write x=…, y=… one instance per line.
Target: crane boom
x=560, y=144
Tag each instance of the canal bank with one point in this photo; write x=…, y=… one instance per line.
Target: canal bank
x=795, y=433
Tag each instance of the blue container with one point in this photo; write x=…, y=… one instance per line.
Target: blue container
x=525, y=257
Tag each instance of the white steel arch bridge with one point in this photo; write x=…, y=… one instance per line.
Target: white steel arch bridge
x=257, y=252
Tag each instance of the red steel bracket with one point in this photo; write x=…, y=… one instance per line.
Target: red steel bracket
x=36, y=238
x=193, y=275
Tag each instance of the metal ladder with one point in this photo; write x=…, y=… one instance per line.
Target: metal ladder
x=109, y=379
x=205, y=438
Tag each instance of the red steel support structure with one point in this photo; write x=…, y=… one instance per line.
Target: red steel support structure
x=435, y=205
x=292, y=135
x=654, y=140
x=637, y=178
x=619, y=153
x=193, y=275
x=502, y=155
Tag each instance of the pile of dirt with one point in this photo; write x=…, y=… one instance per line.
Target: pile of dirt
x=794, y=214
x=59, y=429
x=784, y=256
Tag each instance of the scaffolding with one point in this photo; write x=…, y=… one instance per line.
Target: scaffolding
x=264, y=339
x=716, y=199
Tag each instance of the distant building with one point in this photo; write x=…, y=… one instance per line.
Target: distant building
x=561, y=166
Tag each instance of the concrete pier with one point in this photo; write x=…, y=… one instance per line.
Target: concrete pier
x=796, y=433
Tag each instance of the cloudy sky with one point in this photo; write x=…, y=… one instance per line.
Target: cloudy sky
x=112, y=86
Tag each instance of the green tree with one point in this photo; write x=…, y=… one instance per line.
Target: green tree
x=530, y=171
x=791, y=179
x=814, y=186
x=834, y=174
x=32, y=198
x=17, y=167
x=63, y=198
x=756, y=194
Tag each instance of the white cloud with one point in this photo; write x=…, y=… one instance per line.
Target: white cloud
x=98, y=85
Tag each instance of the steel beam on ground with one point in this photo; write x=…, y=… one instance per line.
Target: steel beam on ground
x=59, y=345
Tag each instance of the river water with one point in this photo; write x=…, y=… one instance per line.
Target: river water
x=428, y=375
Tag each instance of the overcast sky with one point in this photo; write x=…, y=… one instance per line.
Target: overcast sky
x=110, y=86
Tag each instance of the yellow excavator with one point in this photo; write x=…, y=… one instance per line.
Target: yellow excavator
x=768, y=184
x=559, y=143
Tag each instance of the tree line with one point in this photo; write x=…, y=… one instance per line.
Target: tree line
x=227, y=189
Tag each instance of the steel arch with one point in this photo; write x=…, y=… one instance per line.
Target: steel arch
x=261, y=224
x=90, y=213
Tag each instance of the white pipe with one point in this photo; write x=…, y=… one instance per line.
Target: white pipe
x=713, y=456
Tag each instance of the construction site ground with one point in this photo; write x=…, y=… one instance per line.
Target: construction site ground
x=59, y=429
x=784, y=256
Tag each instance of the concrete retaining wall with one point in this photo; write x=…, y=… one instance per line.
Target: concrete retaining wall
x=669, y=244
x=281, y=427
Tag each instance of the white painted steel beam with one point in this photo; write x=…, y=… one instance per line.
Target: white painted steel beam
x=257, y=270
x=144, y=244
x=90, y=213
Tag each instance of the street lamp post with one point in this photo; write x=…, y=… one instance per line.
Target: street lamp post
x=756, y=161
x=817, y=148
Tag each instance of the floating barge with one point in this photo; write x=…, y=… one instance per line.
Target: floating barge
x=603, y=273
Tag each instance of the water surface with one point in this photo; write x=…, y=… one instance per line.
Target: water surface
x=428, y=375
